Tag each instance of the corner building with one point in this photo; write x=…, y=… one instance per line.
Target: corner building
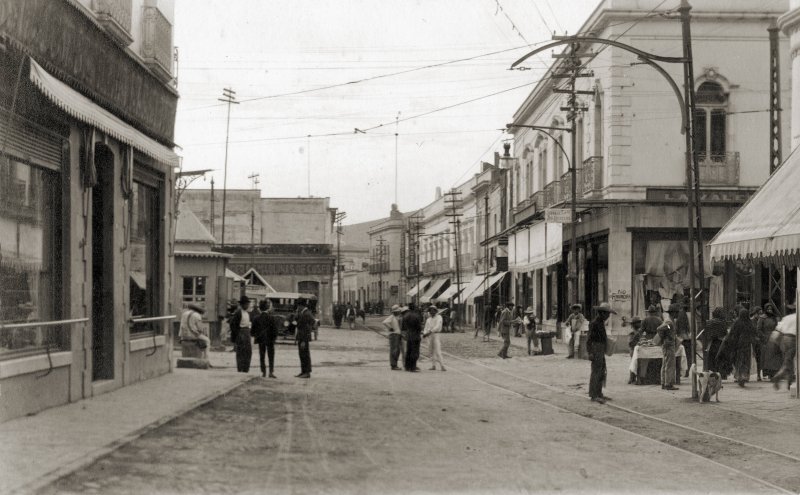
x=87, y=113
x=632, y=247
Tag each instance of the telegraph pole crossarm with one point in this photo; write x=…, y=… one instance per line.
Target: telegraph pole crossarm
x=229, y=97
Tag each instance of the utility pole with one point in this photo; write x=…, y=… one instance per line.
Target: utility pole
x=254, y=179
x=486, y=251
x=453, y=201
x=775, y=136
x=229, y=97
x=213, y=200
x=695, y=229
x=415, y=226
x=396, y=137
x=572, y=71
x=339, y=217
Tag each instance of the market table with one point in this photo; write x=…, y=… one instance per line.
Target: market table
x=646, y=364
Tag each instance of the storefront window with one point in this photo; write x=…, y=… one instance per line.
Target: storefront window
x=144, y=243
x=30, y=257
x=194, y=290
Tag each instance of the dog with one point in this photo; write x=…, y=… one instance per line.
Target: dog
x=709, y=383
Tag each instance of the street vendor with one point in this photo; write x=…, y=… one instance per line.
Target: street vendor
x=651, y=323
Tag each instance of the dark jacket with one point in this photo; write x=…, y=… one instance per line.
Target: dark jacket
x=265, y=328
x=650, y=325
x=305, y=325
x=412, y=325
x=235, y=323
x=597, y=332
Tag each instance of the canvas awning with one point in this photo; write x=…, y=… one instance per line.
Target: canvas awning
x=85, y=110
x=420, y=286
x=433, y=290
x=479, y=284
x=535, y=247
x=767, y=227
x=448, y=293
x=469, y=288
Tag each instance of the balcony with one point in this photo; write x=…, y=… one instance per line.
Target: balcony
x=566, y=186
x=115, y=17
x=592, y=176
x=525, y=209
x=552, y=194
x=157, y=42
x=538, y=200
x=719, y=169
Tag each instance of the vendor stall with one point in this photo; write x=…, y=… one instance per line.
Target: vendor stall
x=646, y=364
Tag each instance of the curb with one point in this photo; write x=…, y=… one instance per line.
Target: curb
x=91, y=457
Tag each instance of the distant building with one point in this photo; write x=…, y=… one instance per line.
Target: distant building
x=86, y=205
x=288, y=241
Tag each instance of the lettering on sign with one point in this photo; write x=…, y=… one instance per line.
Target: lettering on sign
x=621, y=295
x=558, y=215
x=292, y=268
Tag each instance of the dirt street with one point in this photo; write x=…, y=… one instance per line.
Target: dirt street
x=358, y=427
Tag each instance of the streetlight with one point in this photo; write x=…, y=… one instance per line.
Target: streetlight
x=686, y=103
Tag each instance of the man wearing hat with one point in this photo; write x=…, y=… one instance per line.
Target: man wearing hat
x=633, y=340
x=575, y=321
x=651, y=322
x=305, y=325
x=505, y=329
x=240, y=335
x=433, y=327
x=529, y=321
x=192, y=328
x=596, y=342
x=668, y=335
x=392, y=323
x=411, y=325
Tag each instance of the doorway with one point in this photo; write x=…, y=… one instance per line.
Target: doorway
x=103, y=266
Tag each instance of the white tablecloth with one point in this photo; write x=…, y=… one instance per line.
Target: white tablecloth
x=654, y=352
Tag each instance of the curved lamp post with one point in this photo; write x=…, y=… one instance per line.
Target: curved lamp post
x=686, y=103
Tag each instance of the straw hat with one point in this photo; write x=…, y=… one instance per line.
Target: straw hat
x=605, y=307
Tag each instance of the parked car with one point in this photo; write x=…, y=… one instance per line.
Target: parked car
x=284, y=306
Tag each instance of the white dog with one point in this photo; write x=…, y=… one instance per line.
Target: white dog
x=708, y=383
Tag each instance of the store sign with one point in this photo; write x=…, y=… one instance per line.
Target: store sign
x=558, y=215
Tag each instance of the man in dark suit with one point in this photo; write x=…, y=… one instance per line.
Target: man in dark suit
x=265, y=331
x=411, y=324
x=596, y=343
x=305, y=325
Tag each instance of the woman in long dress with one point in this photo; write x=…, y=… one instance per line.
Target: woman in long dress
x=715, y=330
x=771, y=352
x=741, y=340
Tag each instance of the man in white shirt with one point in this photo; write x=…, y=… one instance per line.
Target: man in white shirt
x=392, y=323
x=192, y=328
x=433, y=327
x=788, y=329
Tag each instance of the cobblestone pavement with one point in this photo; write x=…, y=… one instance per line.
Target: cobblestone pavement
x=358, y=427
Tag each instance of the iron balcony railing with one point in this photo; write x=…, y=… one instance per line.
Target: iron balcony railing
x=552, y=193
x=115, y=17
x=592, y=175
x=157, y=42
x=718, y=169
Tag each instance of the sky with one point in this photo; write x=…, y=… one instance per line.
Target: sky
x=324, y=68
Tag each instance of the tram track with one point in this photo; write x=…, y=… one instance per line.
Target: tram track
x=772, y=468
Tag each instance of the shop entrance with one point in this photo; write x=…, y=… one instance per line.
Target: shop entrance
x=103, y=266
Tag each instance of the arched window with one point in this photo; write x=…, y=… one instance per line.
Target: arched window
x=529, y=177
x=541, y=159
x=710, y=121
x=517, y=187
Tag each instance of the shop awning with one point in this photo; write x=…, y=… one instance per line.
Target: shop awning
x=85, y=110
x=448, y=292
x=469, y=288
x=767, y=227
x=420, y=286
x=433, y=290
x=535, y=247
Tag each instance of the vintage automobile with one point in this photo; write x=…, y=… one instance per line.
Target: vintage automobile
x=284, y=306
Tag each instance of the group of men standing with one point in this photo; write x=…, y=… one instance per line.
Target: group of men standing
x=263, y=327
x=406, y=323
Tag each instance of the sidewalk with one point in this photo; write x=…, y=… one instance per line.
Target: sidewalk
x=39, y=449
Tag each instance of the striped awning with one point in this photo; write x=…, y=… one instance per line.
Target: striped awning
x=419, y=287
x=433, y=290
x=448, y=293
x=767, y=227
x=470, y=289
x=85, y=110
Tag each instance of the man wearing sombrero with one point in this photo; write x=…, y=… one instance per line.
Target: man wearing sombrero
x=597, y=341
